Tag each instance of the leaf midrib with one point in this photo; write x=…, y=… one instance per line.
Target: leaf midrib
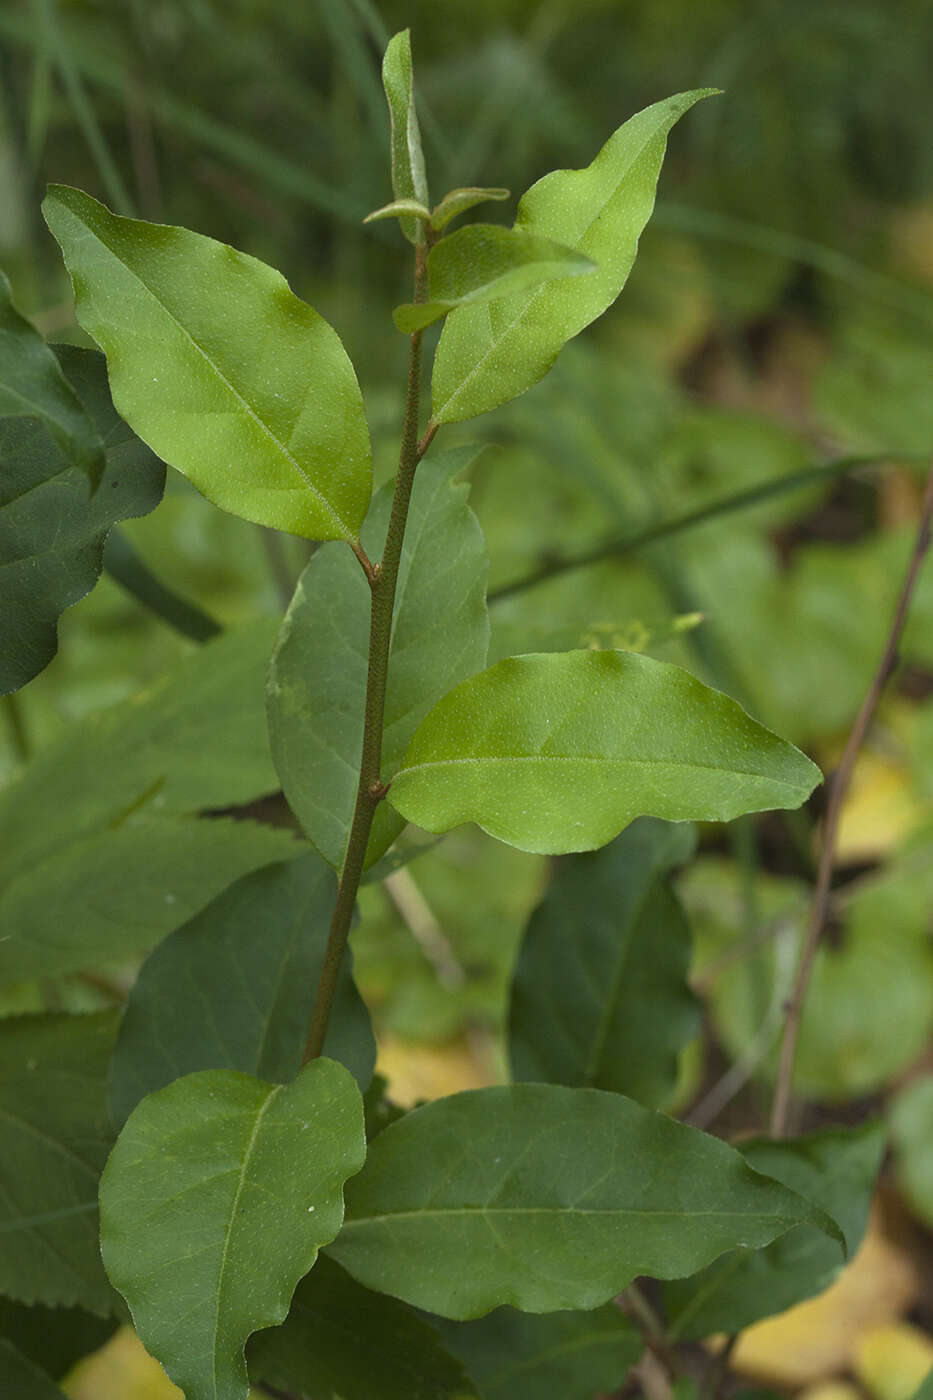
x=550, y=1211
x=604, y=760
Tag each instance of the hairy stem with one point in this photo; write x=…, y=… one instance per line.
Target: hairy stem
x=820, y=905
x=383, y=578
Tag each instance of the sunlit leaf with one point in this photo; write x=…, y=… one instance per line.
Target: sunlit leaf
x=216, y=364
x=559, y=752
x=216, y=1198
x=408, y=177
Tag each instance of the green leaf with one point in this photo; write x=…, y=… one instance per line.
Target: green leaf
x=926, y=1389
x=483, y=262
x=457, y=202
x=912, y=1138
x=216, y=1198
x=21, y=1379
x=547, y=1198
x=32, y=385
x=399, y=209
x=559, y=752
x=341, y=1339
x=836, y=1170
x=216, y=364
x=317, y=680
x=489, y=354
x=600, y=997
x=52, y=530
x=562, y=1356
x=214, y=996
x=56, y=1136
x=408, y=176
x=53, y=1338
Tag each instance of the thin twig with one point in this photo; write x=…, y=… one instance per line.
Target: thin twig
x=838, y=789
x=405, y=894
x=652, y=1329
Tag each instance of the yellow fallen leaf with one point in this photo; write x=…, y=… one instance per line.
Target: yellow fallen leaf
x=416, y=1070
x=832, y=1390
x=817, y=1339
x=891, y=1361
x=880, y=809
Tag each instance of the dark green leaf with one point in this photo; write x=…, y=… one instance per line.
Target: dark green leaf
x=56, y=1136
x=836, y=1170
x=32, y=385
x=561, y=1356
x=457, y=202
x=234, y=988
x=53, y=1338
x=559, y=752
x=600, y=997
x=547, y=1198
x=408, y=177
x=488, y=354
x=218, y=366
x=216, y=1198
x=341, y=1339
x=317, y=681
x=52, y=531
x=926, y=1390
x=485, y=261
x=21, y=1379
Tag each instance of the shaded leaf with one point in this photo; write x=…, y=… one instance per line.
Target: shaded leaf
x=234, y=988
x=341, y=1339
x=600, y=997
x=317, y=679
x=215, y=363
x=408, y=176
x=547, y=1198
x=53, y=1338
x=32, y=385
x=561, y=1356
x=488, y=354
x=559, y=752
x=21, y=1379
x=457, y=202
x=56, y=1136
x=835, y=1169
x=216, y=1198
x=52, y=530
x=485, y=261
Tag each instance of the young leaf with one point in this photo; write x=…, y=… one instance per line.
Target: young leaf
x=341, y=1339
x=558, y=752
x=600, y=997
x=483, y=262
x=216, y=364
x=317, y=679
x=835, y=1169
x=457, y=202
x=216, y=996
x=21, y=1379
x=52, y=530
x=399, y=209
x=32, y=385
x=547, y=1198
x=216, y=1198
x=488, y=354
x=562, y=1356
x=408, y=177
x=56, y=1137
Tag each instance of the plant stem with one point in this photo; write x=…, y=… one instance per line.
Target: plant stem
x=127, y=569
x=838, y=789
x=383, y=579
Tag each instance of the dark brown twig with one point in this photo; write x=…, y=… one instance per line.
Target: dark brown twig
x=838, y=788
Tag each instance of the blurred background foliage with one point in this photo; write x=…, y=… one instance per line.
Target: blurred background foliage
x=780, y=315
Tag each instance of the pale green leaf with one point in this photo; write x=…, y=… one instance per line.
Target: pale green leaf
x=600, y=997
x=546, y=1198
x=56, y=1136
x=399, y=209
x=32, y=385
x=559, y=752
x=216, y=1198
x=457, y=202
x=488, y=354
x=216, y=364
x=485, y=261
x=912, y=1139
x=21, y=1379
x=341, y=1339
x=52, y=530
x=836, y=1169
x=408, y=176
x=317, y=680
x=561, y=1356
x=214, y=995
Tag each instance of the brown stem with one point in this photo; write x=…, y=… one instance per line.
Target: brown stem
x=383, y=578
x=838, y=789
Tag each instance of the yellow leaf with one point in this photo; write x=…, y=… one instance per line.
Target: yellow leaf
x=416, y=1070
x=891, y=1361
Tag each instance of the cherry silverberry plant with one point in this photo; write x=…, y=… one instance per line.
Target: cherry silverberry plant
x=267, y=1218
